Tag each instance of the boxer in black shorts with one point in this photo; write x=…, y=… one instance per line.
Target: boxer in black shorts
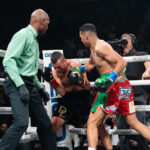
x=74, y=107
x=73, y=85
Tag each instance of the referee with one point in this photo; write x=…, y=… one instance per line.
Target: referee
x=22, y=85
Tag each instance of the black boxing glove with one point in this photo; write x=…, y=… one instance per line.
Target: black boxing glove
x=24, y=93
x=74, y=76
x=44, y=95
x=46, y=73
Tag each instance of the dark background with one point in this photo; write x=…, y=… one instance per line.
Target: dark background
x=111, y=17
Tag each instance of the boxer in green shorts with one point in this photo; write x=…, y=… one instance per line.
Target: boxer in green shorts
x=113, y=95
x=111, y=101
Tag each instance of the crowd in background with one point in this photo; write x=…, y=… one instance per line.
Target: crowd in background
x=112, y=18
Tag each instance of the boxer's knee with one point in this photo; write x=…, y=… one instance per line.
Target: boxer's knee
x=57, y=122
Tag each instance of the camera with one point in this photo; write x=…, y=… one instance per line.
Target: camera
x=118, y=42
x=117, y=45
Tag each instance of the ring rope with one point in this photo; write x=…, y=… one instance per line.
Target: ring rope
x=2, y=53
x=84, y=60
x=128, y=59
x=83, y=131
x=1, y=81
x=132, y=82
x=31, y=133
x=7, y=110
x=28, y=137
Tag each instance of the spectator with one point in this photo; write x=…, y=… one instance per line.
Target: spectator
x=135, y=71
x=3, y=129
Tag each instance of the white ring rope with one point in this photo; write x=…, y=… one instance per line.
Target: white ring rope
x=137, y=58
x=1, y=81
x=123, y=132
x=7, y=110
x=132, y=82
x=28, y=137
x=83, y=131
x=2, y=53
x=84, y=60
x=128, y=59
x=31, y=133
x=31, y=130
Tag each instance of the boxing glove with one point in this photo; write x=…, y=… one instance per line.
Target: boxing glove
x=75, y=77
x=46, y=73
x=103, y=84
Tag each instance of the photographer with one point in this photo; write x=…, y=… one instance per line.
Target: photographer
x=117, y=45
x=135, y=71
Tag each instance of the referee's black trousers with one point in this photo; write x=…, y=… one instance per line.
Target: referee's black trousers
x=21, y=112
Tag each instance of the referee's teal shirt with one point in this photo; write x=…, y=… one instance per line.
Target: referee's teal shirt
x=22, y=56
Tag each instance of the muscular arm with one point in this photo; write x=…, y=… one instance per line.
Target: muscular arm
x=87, y=83
x=112, y=57
x=60, y=89
x=146, y=74
x=89, y=65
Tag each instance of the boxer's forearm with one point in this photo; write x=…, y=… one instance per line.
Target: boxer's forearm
x=60, y=90
x=89, y=67
x=147, y=66
x=121, y=64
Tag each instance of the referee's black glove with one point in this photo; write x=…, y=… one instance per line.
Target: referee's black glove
x=24, y=93
x=44, y=95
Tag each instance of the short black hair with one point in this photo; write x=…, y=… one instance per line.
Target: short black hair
x=56, y=56
x=88, y=27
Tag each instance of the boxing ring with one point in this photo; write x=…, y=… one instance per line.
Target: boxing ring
x=31, y=134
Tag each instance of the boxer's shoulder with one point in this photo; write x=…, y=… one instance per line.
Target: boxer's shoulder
x=73, y=63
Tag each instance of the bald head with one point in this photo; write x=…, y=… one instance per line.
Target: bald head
x=38, y=15
x=40, y=20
